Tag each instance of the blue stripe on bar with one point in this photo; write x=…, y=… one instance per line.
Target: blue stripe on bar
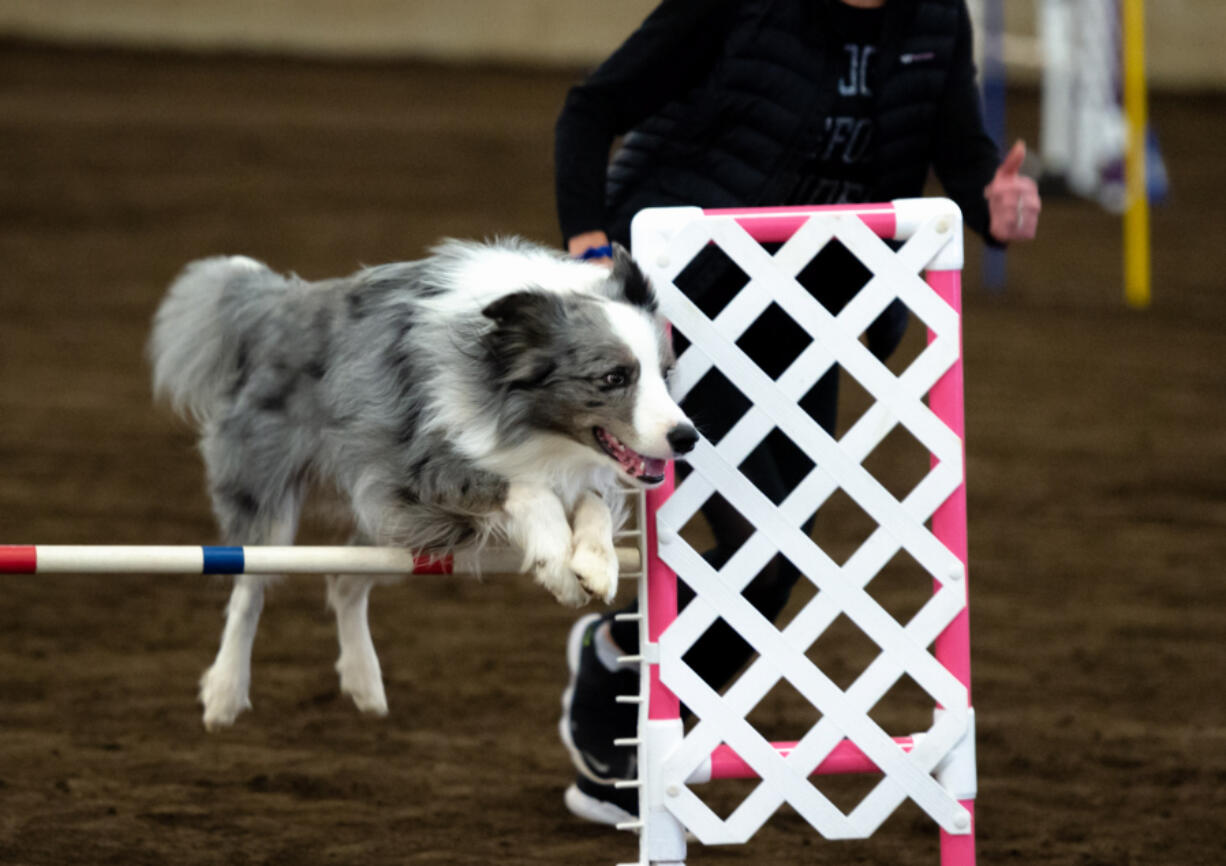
x=223, y=560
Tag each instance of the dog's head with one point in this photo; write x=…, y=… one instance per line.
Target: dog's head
x=592, y=366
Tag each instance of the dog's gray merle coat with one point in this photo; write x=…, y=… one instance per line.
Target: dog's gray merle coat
x=447, y=400
x=292, y=380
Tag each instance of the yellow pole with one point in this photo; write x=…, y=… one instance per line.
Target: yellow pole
x=1136, y=217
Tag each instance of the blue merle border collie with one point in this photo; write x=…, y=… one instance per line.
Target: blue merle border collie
x=489, y=391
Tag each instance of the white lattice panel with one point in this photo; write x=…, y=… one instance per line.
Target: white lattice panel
x=901, y=525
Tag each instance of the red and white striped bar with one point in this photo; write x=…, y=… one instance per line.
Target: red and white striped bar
x=256, y=559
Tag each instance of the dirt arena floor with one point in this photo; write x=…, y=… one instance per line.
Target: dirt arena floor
x=1097, y=467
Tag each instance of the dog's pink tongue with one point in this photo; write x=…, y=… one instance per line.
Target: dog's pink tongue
x=653, y=467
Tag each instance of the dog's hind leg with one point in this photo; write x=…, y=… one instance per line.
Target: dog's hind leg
x=358, y=665
x=225, y=686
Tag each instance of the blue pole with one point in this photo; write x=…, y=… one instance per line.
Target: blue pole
x=994, y=115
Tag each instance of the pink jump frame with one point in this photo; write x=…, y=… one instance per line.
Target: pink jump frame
x=660, y=718
x=949, y=524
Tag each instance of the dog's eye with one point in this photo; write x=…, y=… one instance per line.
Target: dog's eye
x=615, y=378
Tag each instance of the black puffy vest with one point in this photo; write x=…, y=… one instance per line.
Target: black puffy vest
x=738, y=138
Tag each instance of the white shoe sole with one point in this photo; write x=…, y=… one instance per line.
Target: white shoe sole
x=588, y=808
x=597, y=811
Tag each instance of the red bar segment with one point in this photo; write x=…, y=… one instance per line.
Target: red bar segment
x=433, y=565
x=18, y=559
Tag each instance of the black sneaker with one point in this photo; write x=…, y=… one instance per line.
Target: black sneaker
x=591, y=716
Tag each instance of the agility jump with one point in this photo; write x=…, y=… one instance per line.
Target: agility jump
x=935, y=768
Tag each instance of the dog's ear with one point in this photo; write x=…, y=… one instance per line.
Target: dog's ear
x=629, y=280
x=530, y=309
x=525, y=324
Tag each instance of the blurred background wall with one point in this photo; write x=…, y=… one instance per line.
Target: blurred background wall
x=1184, y=35
x=532, y=31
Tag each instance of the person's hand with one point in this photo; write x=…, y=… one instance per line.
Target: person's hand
x=1013, y=199
x=581, y=243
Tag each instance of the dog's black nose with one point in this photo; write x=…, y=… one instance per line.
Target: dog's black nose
x=682, y=438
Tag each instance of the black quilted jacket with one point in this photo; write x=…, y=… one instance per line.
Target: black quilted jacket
x=721, y=102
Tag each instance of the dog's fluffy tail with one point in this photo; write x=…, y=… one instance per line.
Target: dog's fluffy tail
x=197, y=344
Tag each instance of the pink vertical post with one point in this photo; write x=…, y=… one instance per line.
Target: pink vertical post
x=953, y=646
x=661, y=602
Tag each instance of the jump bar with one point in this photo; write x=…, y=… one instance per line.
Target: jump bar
x=190, y=559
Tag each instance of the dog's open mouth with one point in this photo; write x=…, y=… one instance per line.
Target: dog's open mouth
x=649, y=470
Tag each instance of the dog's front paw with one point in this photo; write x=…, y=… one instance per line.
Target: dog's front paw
x=595, y=564
x=547, y=554
x=224, y=696
x=562, y=582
